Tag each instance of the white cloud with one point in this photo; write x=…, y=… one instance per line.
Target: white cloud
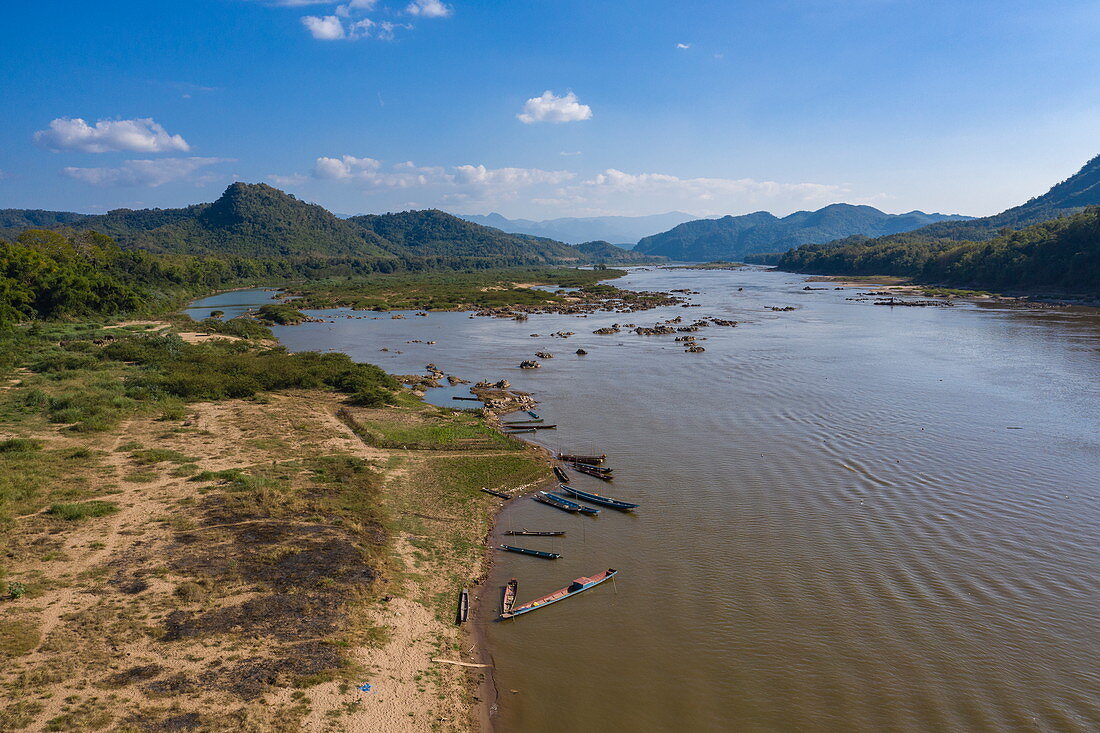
x=349, y=8
x=326, y=28
x=150, y=173
x=332, y=28
x=508, y=177
x=141, y=135
x=683, y=45
x=347, y=166
x=552, y=108
x=569, y=153
x=429, y=9
x=539, y=193
x=705, y=195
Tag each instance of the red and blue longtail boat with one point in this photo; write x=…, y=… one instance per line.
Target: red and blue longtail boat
x=577, y=586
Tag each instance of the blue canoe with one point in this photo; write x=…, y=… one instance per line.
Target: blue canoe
x=598, y=498
x=553, y=500
x=575, y=506
x=533, y=553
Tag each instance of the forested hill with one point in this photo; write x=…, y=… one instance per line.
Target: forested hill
x=1060, y=256
x=600, y=251
x=436, y=236
x=735, y=237
x=1070, y=196
x=258, y=221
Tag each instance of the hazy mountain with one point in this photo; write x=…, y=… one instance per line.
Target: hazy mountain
x=619, y=230
x=735, y=237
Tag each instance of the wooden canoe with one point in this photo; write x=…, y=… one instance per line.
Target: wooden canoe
x=532, y=553
x=463, y=606
x=579, y=585
x=590, y=472
x=598, y=498
x=509, y=598
x=573, y=458
x=565, y=506
x=580, y=508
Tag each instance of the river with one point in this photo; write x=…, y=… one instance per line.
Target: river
x=854, y=517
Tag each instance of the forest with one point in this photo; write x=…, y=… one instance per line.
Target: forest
x=1059, y=256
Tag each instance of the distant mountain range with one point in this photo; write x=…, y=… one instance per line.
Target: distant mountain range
x=619, y=230
x=737, y=237
x=1051, y=242
x=255, y=220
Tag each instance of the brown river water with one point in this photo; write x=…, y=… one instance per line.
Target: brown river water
x=854, y=517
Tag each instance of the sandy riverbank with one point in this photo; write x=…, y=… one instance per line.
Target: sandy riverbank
x=264, y=560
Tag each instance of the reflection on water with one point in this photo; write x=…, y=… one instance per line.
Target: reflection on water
x=854, y=518
x=233, y=303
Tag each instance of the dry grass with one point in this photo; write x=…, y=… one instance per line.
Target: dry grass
x=261, y=569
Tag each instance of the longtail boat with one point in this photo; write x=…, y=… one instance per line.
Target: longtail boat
x=509, y=598
x=468, y=399
x=497, y=494
x=560, y=473
x=463, y=606
x=531, y=533
x=581, y=459
x=580, y=508
x=530, y=428
x=581, y=468
x=521, y=422
x=598, y=469
x=563, y=504
x=598, y=498
x=533, y=553
x=517, y=432
x=533, y=414
x=577, y=586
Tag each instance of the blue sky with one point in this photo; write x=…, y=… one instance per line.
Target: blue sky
x=545, y=108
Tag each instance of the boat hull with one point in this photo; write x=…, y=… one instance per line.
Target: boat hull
x=575, y=588
x=532, y=553
x=597, y=499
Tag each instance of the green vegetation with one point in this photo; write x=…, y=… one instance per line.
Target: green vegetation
x=282, y=314
x=423, y=427
x=449, y=290
x=1061, y=255
x=83, y=510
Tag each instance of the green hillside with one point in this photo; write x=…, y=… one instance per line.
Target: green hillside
x=1057, y=256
